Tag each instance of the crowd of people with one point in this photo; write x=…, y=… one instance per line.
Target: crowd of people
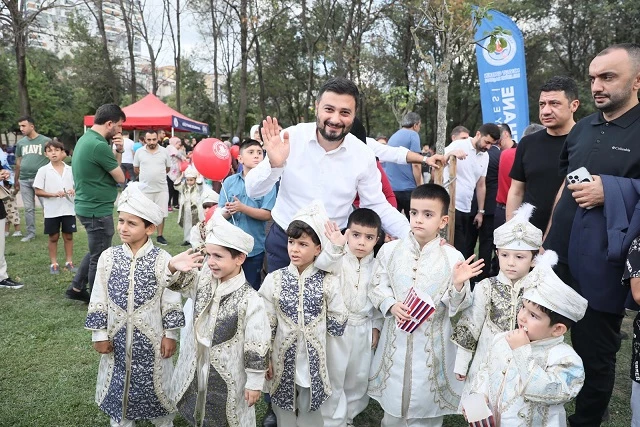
x=316, y=276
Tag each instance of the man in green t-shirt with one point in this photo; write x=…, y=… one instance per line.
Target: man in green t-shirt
x=96, y=171
x=29, y=158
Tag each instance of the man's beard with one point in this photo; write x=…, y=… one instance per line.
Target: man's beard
x=331, y=137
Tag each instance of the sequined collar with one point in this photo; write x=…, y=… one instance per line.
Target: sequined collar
x=429, y=247
x=230, y=285
x=364, y=261
x=306, y=273
x=144, y=250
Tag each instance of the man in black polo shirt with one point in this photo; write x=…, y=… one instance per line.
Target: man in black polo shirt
x=606, y=143
x=534, y=173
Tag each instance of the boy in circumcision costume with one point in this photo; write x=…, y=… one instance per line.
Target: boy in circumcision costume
x=412, y=373
x=497, y=300
x=530, y=372
x=224, y=348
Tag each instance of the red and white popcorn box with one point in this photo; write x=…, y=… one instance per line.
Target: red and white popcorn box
x=421, y=307
x=477, y=411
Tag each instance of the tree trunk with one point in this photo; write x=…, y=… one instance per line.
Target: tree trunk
x=216, y=98
x=20, y=38
x=262, y=94
x=114, y=91
x=126, y=19
x=244, y=58
x=310, y=52
x=177, y=55
x=442, y=83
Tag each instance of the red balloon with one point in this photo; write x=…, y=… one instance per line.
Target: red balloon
x=235, y=151
x=212, y=159
x=184, y=165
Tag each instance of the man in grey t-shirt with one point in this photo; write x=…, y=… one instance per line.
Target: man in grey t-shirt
x=151, y=164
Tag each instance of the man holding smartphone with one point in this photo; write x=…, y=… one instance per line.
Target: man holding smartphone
x=96, y=171
x=534, y=174
x=605, y=143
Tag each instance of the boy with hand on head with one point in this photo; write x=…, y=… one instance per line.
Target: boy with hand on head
x=497, y=300
x=132, y=316
x=350, y=257
x=248, y=213
x=412, y=373
x=188, y=194
x=304, y=306
x=224, y=351
x=530, y=372
x=54, y=185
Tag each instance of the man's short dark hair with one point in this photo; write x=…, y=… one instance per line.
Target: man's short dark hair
x=341, y=86
x=554, y=317
x=432, y=192
x=249, y=143
x=27, y=118
x=53, y=144
x=505, y=128
x=490, y=129
x=109, y=113
x=632, y=49
x=561, y=84
x=410, y=119
x=366, y=218
x=458, y=130
x=297, y=228
x=149, y=131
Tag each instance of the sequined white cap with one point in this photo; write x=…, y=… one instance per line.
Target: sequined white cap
x=208, y=196
x=544, y=287
x=518, y=233
x=133, y=201
x=316, y=217
x=222, y=233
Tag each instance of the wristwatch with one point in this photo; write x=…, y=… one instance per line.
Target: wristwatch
x=481, y=211
x=424, y=160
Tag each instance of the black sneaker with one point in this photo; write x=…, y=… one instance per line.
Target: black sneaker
x=162, y=241
x=10, y=284
x=82, y=295
x=186, y=243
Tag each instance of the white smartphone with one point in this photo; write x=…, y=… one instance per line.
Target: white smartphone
x=579, y=175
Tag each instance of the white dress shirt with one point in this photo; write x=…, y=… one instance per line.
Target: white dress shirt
x=333, y=176
x=468, y=172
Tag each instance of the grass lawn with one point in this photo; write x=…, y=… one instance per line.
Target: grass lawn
x=48, y=367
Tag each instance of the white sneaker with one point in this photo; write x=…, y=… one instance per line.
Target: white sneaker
x=28, y=238
x=15, y=234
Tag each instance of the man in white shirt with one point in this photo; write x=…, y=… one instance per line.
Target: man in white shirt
x=470, y=175
x=151, y=163
x=323, y=161
x=127, y=158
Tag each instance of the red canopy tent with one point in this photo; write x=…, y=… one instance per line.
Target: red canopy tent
x=151, y=113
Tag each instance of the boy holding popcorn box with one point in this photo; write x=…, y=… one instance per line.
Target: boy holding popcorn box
x=419, y=284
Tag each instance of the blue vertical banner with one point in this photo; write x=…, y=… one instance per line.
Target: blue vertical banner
x=502, y=74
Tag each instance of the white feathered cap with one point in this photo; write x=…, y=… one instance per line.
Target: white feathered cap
x=316, y=217
x=544, y=287
x=222, y=233
x=133, y=201
x=518, y=233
